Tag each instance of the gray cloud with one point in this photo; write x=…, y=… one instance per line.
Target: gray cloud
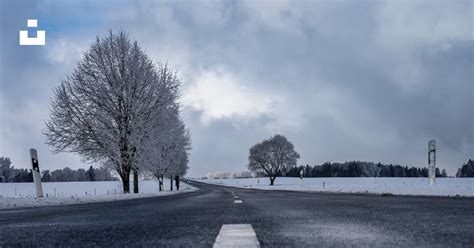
x=366, y=80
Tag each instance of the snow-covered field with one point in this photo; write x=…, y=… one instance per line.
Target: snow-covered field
x=58, y=193
x=377, y=185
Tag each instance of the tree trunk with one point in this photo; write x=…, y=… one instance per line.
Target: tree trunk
x=272, y=179
x=125, y=182
x=135, y=181
x=160, y=182
x=176, y=179
x=171, y=183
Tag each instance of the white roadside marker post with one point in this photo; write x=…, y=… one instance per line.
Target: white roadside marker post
x=432, y=162
x=301, y=178
x=36, y=173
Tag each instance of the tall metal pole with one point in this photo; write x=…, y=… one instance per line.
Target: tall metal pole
x=36, y=173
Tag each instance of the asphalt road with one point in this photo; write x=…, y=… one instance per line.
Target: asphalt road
x=279, y=218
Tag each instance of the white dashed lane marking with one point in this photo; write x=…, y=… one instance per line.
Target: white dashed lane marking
x=236, y=196
x=237, y=201
x=236, y=235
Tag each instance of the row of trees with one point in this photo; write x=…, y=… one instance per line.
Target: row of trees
x=121, y=110
x=466, y=170
x=68, y=175
x=360, y=169
x=276, y=156
x=10, y=174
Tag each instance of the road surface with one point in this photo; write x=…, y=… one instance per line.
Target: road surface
x=278, y=218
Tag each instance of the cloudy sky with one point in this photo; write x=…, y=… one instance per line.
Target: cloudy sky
x=343, y=80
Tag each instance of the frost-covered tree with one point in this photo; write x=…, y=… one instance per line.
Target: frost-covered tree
x=106, y=108
x=167, y=150
x=179, y=165
x=272, y=156
x=6, y=171
x=183, y=160
x=176, y=156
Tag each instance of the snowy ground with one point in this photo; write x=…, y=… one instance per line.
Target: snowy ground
x=14, y=195
x=377, y=185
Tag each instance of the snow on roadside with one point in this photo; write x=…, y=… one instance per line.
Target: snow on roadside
x=375, y=185
x=14, y=195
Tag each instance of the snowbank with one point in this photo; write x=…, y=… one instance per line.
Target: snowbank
x=377, y=185
x=61, y=193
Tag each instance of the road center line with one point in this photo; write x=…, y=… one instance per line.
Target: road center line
x=237, y=201
x=236, y=235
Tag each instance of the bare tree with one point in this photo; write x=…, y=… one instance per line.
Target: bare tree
x=168, y=156
x=272, y=156
x=105, y=109
x=182, y=167
x=177, y=155
x=179, y=165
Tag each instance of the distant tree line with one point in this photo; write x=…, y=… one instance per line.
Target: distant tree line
x=68, y=175
x=226, y=175
x=466, y=170
x=10, y=174
x=360, y=169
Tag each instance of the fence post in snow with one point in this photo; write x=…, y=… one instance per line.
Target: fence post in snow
x=36, y=173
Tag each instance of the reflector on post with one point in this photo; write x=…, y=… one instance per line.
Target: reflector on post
x=36, y=173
